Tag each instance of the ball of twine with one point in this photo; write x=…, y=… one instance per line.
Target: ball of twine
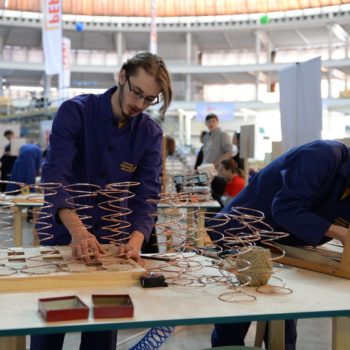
x=260, y=269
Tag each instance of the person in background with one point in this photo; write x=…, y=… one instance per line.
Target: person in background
x=26, y=168
x=7, y=160
x=218, y=187
x=27, y=165
x=217, y=144
x=170, y=146
x=236, y=139
x=199, y=159
x=234, y=177
x=104, y=139
x=304, y=192
x=9, y=135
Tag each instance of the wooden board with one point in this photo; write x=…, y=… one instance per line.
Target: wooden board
x=23, y=269
x=327, y=258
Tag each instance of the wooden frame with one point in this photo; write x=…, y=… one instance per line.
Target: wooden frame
x=329, y=259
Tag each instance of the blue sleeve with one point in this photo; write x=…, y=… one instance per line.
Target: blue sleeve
x=148, y=174
x=58, y=167
x=302, y=177
x=38, y=161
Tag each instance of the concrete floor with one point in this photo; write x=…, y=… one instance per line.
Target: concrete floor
x=313, y=334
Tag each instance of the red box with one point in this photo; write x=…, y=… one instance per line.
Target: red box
x=63, y=309
x=112, y=305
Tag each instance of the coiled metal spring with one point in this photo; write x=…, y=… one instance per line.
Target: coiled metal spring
x=154, y=338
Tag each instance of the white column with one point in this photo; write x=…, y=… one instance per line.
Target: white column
x=47, y=89
x=257, y=55
x=120, y=46
x=188, y=48
x=1, y=46
x=181, y=128
x=188, y=95
x=330, y=54
x=188, y=117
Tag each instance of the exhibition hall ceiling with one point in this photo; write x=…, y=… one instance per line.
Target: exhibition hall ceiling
x=283, y=34
x=172, y=7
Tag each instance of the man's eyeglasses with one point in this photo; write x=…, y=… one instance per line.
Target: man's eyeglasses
x=148, y=100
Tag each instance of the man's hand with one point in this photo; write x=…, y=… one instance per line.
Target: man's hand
x=85, y=245
x=133, y=248
x=337, y=232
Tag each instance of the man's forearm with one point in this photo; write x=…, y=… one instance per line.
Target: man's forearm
x=136, y=239
x=70, y=220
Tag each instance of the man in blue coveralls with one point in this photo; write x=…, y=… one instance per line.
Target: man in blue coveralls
x=303, y=192
x=104, y=139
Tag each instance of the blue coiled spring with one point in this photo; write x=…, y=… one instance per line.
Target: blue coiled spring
x=154, y=338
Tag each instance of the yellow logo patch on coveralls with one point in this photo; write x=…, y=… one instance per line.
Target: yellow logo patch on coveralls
x=128, y=167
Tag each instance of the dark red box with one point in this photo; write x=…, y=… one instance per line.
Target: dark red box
x=63, y=309
x=112, y=305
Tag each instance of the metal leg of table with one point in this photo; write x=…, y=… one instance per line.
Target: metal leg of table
x=340, y=333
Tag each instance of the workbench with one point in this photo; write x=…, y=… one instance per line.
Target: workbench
x=314, y=295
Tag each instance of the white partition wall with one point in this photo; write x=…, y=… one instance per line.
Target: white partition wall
x=300, y=103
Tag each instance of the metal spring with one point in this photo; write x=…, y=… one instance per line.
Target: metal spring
x=6, y=211
x=81, y=191
x=41, y=214
x=154, y=338
x=117, y=195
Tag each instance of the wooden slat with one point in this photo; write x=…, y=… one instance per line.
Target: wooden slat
x=340, y=333
x=319, y=259
x=12, y=343
x=85, y=278
x=276, y=335
x=345, y=261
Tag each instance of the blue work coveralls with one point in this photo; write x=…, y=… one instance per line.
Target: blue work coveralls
x=301, y=193
x=87, y=146
x=27, y=165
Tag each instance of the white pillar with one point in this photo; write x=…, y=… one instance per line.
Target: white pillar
x=120, y=46
x=188, y=48
x=181, y=128
x=188, y=117
x=257, y=56
x=47, y=89
x=188, y=95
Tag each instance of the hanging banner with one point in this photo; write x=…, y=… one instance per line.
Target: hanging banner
x=64, y=77
x=52, y=35
x=153, y=34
